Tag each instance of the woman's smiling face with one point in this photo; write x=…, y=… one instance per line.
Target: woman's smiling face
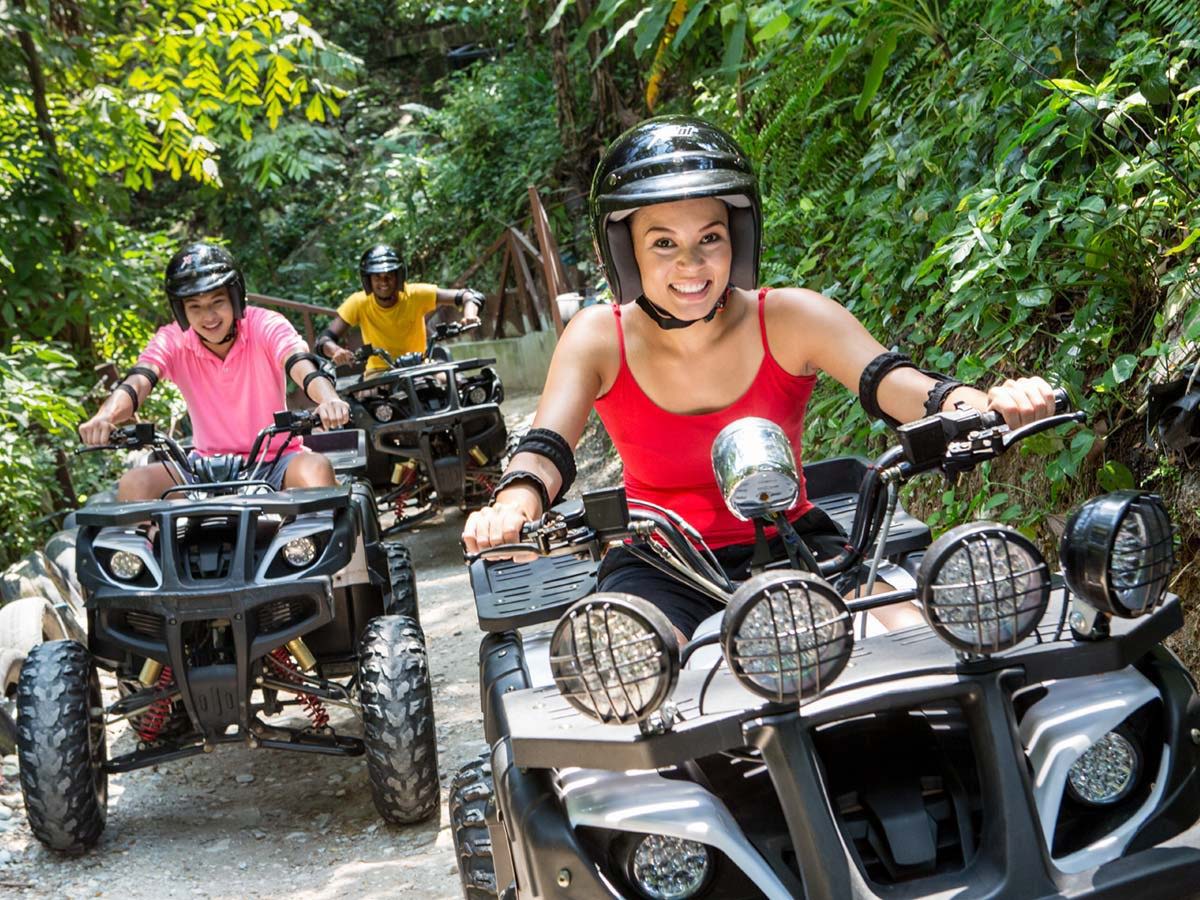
x=683, y=254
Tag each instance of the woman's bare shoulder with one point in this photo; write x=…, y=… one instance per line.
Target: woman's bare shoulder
x=590, y=341
x=797, y=319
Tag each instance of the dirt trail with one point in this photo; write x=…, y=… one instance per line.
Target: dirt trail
x=244, y=823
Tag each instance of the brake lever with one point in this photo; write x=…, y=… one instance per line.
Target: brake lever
x=1041, y=425
x=981, y=446
x=93, y=449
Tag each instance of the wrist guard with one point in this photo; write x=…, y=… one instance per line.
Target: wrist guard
x=131, y=391
x=325, y=337
x=146, y=373
x=519, y=475
x=308, y=379
x=554, y=447
x=297, y=357
x=939, y=392
x=878, y=368
x=872, y=375
x=469, y=294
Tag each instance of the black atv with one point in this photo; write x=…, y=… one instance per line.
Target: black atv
x=216, y=607
x=436, y=436
x=1034, y=739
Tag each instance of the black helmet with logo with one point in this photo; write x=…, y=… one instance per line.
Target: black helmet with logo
x=662, y=160
x=377, y=260
x=199, y=268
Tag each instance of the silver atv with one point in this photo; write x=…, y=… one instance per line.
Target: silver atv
x=1035, y=738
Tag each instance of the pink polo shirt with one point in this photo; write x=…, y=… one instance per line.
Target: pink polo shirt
x=230, y=400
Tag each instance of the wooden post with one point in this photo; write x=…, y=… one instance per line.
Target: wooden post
x=556, y=279
x=525, y=287
x=502, y=294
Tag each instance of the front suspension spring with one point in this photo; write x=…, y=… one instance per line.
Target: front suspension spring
x=312, y=705
x=150, y=724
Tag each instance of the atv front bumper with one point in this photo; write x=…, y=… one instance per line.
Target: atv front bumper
x=546, y=805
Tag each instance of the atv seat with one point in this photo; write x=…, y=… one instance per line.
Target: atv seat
x=346, y=448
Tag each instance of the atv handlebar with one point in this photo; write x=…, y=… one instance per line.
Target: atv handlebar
x=951, y=442
x=144, y=434
x=445, y=330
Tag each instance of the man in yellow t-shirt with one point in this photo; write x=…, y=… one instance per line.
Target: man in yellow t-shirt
x=391, y=311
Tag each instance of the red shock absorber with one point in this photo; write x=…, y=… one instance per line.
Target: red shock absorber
x=312, y=705
x=150, y=724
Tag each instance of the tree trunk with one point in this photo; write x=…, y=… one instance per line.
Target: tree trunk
x=611, y=115
x=74, y=332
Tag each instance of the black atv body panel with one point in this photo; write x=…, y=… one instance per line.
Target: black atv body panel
x=225, y=570
x=430, y=425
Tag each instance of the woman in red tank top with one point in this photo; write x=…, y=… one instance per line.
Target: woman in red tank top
x=691, y=344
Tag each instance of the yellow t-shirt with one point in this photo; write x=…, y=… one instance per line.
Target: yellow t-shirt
x=397, y=329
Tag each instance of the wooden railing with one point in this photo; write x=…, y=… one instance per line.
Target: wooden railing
x=529, y=304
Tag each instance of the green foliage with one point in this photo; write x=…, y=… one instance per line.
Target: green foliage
x=441, y=182
x=1017, y=199
x=135, y=94
x=38, y=415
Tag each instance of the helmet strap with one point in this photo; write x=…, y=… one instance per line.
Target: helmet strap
x=668, y=322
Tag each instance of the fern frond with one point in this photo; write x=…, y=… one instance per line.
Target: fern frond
x=1180, y=18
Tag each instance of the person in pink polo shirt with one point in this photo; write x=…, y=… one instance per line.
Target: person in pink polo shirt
x=228, y=359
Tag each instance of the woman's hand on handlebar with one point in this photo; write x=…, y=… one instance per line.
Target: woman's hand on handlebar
x=493, y=526
x=1022, y=401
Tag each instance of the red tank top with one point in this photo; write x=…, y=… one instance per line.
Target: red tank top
x=667, y=455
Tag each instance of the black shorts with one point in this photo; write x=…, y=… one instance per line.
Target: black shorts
x=687, y=607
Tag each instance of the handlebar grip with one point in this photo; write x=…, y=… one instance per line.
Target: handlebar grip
x=1062, y=403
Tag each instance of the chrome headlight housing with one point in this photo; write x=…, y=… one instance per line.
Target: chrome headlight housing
x=668, y=868
x=755, y=468
x=1117, y=552
x=383, y=411
x=300, y=552
x=477, y=394
x=614, y=657
x=125, y=565
x=1107, y=773
x=786, y=635
x=984, y=587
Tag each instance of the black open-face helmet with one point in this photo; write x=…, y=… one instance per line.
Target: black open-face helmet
x=379, y=259
x=662, y=160
x=199, y=268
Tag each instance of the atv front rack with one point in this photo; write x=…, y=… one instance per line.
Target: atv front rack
x=901, y=668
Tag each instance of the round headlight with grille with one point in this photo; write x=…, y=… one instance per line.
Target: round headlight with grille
x=668, y=868
x=126, y=566
x=300, y=551
x=786, y=635
x=477, y=395
x=1117, y=552
x=383, y=412
x=984, y=587
x=614, y=657
x=1107, y=772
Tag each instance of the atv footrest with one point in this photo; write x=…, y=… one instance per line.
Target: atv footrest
x=513, y=595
